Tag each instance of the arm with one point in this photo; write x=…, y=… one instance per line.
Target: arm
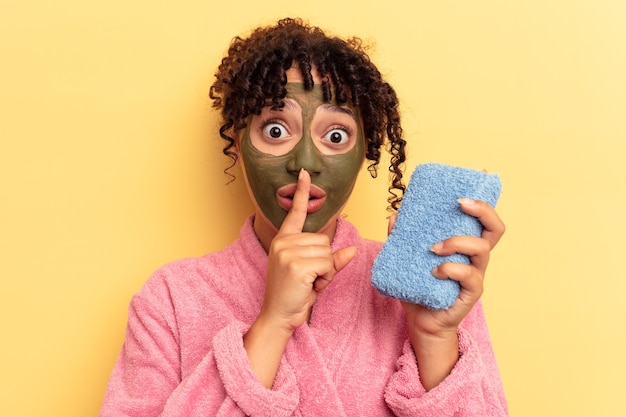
x=300, y=265
x=472, y=388
x=437, y=338
x=149, y=380
x=237, y=364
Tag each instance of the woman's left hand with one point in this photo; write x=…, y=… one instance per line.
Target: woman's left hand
x=470, y=276
x=435, y=332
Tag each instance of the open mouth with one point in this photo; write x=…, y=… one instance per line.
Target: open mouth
x=284, y=195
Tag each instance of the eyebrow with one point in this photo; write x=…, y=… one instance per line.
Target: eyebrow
x=294, y=105
x=287, y=103
x=291, y=104
x=337, y=109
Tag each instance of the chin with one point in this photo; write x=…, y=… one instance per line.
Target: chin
x=313, y=225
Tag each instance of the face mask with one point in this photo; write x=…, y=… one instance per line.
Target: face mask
x=323, y=138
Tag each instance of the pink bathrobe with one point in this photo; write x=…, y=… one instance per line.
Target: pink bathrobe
x=184, y=355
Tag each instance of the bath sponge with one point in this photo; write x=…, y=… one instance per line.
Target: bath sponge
x=430, y=213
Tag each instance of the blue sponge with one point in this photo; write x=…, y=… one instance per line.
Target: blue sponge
x=430, y=213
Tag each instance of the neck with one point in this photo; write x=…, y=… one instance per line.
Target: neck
x=263, y=233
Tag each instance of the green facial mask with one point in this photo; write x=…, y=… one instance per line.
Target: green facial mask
x=335, y=174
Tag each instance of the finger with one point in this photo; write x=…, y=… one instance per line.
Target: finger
x=466, y=275
x=493, y=226
x=392, y=223
x=294, y=222
x=341, y=258
x=312, y=251
x=477, y=248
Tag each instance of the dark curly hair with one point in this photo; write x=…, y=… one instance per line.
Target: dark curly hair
x=252, y=75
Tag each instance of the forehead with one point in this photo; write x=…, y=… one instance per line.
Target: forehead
x=298, y=98
x=297, y=92
x=295, y=85
x=294, y=75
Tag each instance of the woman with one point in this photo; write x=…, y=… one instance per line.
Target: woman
x=285, y=321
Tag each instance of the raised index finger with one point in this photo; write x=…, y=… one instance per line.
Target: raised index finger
x=294, y=222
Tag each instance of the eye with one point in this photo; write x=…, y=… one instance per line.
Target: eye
x=337, y=136
x=275, y=130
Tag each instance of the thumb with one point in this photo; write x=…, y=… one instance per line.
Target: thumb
x=341, y=258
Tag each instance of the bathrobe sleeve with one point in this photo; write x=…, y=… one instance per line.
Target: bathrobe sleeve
x=147, y=381
x=473, y=388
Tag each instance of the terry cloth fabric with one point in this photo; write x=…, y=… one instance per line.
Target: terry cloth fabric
x=183, y=355
x=430, y=213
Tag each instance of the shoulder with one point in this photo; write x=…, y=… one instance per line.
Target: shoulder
x=210, y=279
x=191, y=270
x=176, y=279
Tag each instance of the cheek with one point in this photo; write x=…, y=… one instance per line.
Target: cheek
x=258, y=166
x=263, y=171
x=345, y=170
x=264, y=174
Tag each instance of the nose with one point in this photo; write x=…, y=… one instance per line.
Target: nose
x=305, y=155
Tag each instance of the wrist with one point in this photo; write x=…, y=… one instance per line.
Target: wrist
x=441, y=336
x=273, y=326
x=265, y=342
x=436, y=355
x=435, y=346
x=281, y=319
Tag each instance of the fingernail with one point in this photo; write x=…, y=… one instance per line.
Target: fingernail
x=301, y=173
x=436, y=247
x=466, y=201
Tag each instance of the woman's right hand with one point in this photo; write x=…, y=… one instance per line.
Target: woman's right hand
x=300, y=266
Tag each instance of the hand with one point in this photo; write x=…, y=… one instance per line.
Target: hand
x=433, y=334
x=469, y=276
x=300, y=265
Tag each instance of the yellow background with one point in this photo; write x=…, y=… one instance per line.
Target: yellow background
x=110, y=167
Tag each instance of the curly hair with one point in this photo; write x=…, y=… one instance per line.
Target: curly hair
x=252, y=75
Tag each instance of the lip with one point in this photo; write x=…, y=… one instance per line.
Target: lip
x=284, y=196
